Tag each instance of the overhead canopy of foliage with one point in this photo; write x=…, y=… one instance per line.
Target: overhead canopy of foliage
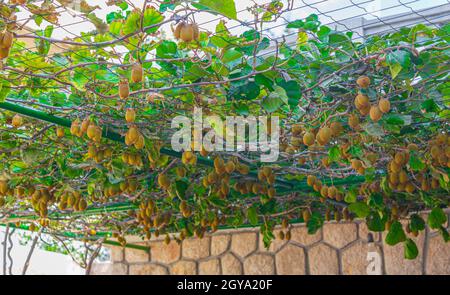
x=85, y=143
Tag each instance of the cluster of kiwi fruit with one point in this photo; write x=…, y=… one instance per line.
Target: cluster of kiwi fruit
x=41, y=199
x=99, y=154
x=398, y=178
x=219, y=178
x=72, y=199
x=88, y=127
x=149, y=217
x=132, y=159
x=186, y=31
x=338, y=215
x=189, y=158
x=322, y=136
x=439, y=149
x=164, y=181
x=362, y=103
x=285, y=232
x=137, y=76
x=134, y=137
x=325, y=191
x=6, y=41
x=4, y=191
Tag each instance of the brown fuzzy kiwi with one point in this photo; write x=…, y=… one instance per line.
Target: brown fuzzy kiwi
x=311, y=179
x=17, y=121
x=230, y=167
x=325, y=134
x=375, y=113
x=130, y=115
x=140, y=142
x=356, y=164
x=187, y=33
x=177, y=30
x=336, y=128
x=124, y=89
x=137, y=73
x=163, y=181
x=133, y=134
x=297, y=129
x=306, y=214
x=308, y=138
x=4, y=53
x=363, y=82
x=353, y=121
x=365, y=111
x=384, y=105
x=7, y=39
x=400, y=158
x=196, y=32
x=362, y=101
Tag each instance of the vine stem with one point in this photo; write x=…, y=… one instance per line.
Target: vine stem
x=94, y=255
x=27, y=262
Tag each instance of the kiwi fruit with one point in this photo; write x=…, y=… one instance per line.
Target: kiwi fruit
x=384, y=105
x=137, y=73
x=4, y=53
x=375, y=113
x=130, y=115
x=336, y=128
x=7, y=40
x=363, y=82
x=308, y=138
x=324, y=135
x=124, y=89
x=163, y=181
x=353, y=121
x=306, y=214
x=362, y=101
x=17, y=121
x=230, y=167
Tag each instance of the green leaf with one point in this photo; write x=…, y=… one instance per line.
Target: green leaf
x=396, y=234
x=334, y=154
x=351, y=196
x=132, y=23
x=252, y=215
x=275, y=100
x=360, y=209
x=398, y=60
x=416, y=223
x=218, y=202
x=231, y=55
x=152, y=17
x=181, y=187
x=4, y=90
x=436, y=218
x=224, y=7
x=375, y=223
x=410, y=249
x=293, y=91
x=314, y=223
x=302, y=38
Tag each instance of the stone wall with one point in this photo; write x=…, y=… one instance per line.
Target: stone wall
x=336, y=249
